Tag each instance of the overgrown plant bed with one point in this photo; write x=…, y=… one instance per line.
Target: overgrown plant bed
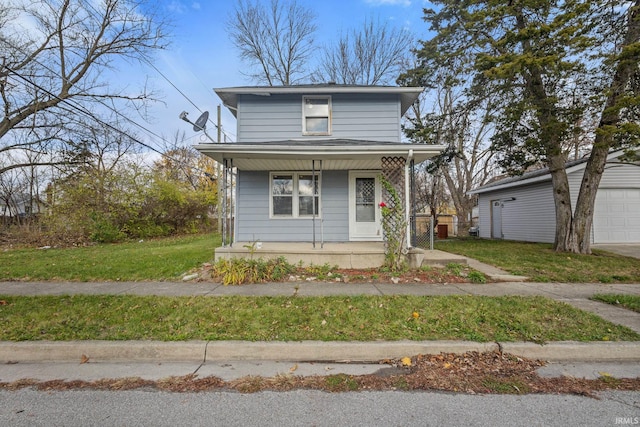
x=471, y=373
x=242, y=271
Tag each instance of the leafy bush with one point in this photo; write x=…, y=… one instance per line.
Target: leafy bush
x=454, y=268
x=322, y=272
x=477, y=277
x=119, y=205
x=104, y=230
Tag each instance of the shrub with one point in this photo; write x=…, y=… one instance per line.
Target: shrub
x=237, y=271
x=477, y=277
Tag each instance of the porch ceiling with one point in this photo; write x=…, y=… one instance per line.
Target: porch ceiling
x=288, y=157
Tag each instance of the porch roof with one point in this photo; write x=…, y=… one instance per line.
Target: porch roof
x=336, y=154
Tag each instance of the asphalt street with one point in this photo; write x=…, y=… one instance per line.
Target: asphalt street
x=313, y=408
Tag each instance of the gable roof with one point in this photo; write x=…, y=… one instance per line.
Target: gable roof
x=539, y=175
x=229, y=95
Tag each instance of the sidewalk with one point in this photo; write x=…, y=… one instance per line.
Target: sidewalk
x=229, y=360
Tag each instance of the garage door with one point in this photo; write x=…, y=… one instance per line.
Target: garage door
x=617, y=216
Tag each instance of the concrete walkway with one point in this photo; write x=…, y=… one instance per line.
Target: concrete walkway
x=625, y=249
x=228, y=360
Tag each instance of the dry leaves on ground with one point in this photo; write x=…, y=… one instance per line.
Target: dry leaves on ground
x=471, y=372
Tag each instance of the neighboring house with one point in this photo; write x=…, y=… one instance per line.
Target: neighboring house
x=20, y=206
x=522, y=208
x=309, y=160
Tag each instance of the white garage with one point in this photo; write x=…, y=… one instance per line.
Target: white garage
x=522, y=208
x=616, y=216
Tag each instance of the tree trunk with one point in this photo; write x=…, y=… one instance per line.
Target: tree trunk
x=626, y=67
x=564, y=241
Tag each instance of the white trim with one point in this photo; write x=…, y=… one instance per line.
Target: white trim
x=305, y=115
x=407, y=204
x=295, y=214
x=378, y=235
x=284, y=151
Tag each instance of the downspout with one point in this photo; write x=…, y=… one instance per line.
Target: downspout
x=407, y=197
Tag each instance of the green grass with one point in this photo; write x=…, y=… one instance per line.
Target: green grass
x=541, y=264
x=632, y=302
x=161, y=259
x=337, y=318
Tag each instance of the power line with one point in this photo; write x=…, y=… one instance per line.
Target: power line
x=182, y=93
x=98, y=15
x=92, y=116
x=145, y=60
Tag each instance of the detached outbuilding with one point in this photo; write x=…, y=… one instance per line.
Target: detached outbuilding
x=522, y=208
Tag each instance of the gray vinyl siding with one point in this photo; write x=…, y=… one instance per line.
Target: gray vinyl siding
x=252, y=215
x=530, y=217
x=372, y=117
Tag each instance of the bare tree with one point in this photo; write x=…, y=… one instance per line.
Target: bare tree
x=276, y=39
x=182, y=163
x=373, y=54
x=460, y=121
x=52, y=55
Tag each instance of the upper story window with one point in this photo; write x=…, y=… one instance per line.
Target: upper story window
x=316, y=115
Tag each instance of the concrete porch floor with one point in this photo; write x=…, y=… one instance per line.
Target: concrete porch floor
x=355, y=255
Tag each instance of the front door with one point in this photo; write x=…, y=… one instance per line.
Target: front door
x=364, y=212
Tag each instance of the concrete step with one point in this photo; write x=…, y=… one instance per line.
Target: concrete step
x=441, y=258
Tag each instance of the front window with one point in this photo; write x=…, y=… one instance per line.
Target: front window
x=282, y=194
x=295, y=194
x=316, y=115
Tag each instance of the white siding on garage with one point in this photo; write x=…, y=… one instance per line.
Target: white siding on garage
x=616, y=216
x=530, y=217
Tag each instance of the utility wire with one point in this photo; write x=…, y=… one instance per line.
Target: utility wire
x=92, y=116
x=96, y=14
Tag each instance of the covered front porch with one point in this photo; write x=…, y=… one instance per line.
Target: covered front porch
x=347, y=255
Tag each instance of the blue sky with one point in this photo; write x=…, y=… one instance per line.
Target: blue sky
x=201, y=56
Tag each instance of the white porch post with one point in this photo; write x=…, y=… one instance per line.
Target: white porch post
x=407, y=198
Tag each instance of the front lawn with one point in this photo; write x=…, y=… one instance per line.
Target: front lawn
x=541, y=264
x=336, y=318
x=157, y=259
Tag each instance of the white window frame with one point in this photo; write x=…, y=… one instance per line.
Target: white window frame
x=307, y=113
x=295, y=196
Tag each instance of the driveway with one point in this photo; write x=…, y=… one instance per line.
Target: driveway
x=632, y=250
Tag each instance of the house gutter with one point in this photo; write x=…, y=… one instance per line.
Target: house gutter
x=407, y=196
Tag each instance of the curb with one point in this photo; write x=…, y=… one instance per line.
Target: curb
x=304, y=351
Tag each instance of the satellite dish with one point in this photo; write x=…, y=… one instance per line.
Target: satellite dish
x=201, y=123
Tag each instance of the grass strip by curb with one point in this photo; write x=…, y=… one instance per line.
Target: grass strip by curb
x=336, y=318
x=631, y=302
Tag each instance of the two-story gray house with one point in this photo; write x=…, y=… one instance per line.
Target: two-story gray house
x=308, y=161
